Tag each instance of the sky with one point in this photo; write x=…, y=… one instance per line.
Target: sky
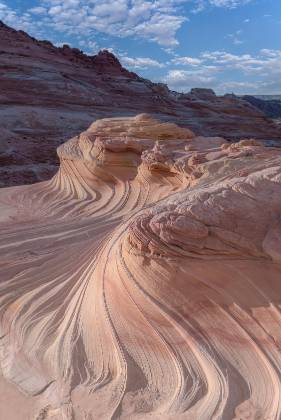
x=226, y=45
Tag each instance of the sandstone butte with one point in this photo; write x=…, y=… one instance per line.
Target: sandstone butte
x=49, y=94
x=142, y=281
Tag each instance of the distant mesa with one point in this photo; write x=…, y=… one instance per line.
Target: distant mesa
x=270, y=105
x=203, y=93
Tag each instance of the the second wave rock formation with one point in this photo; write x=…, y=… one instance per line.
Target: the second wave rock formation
x=143, y=280
x=49, y=94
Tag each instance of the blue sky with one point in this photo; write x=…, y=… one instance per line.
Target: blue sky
x=227, y=45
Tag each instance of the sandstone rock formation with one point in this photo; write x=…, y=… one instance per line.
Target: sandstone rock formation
x=143, y=280
x=49, y=94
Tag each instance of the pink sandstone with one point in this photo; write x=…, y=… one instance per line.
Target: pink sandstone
x=142, y=281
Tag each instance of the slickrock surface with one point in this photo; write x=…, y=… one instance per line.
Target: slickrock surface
x=143, y=280
x=49, y=94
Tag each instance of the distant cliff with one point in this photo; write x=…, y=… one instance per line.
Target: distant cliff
x=270, y=107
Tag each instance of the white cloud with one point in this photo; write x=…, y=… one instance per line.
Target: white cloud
x=191, y=61
x=90, y=46
x=184, y=80
x=153, y=20
x=140, y=62
x=271, y=53
x=235, y=37
x=263, y=69
x=237, y=41
x=38, y=10
x=228, y=3
x=232, y=60
x=200, y=5
x=237, y=87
